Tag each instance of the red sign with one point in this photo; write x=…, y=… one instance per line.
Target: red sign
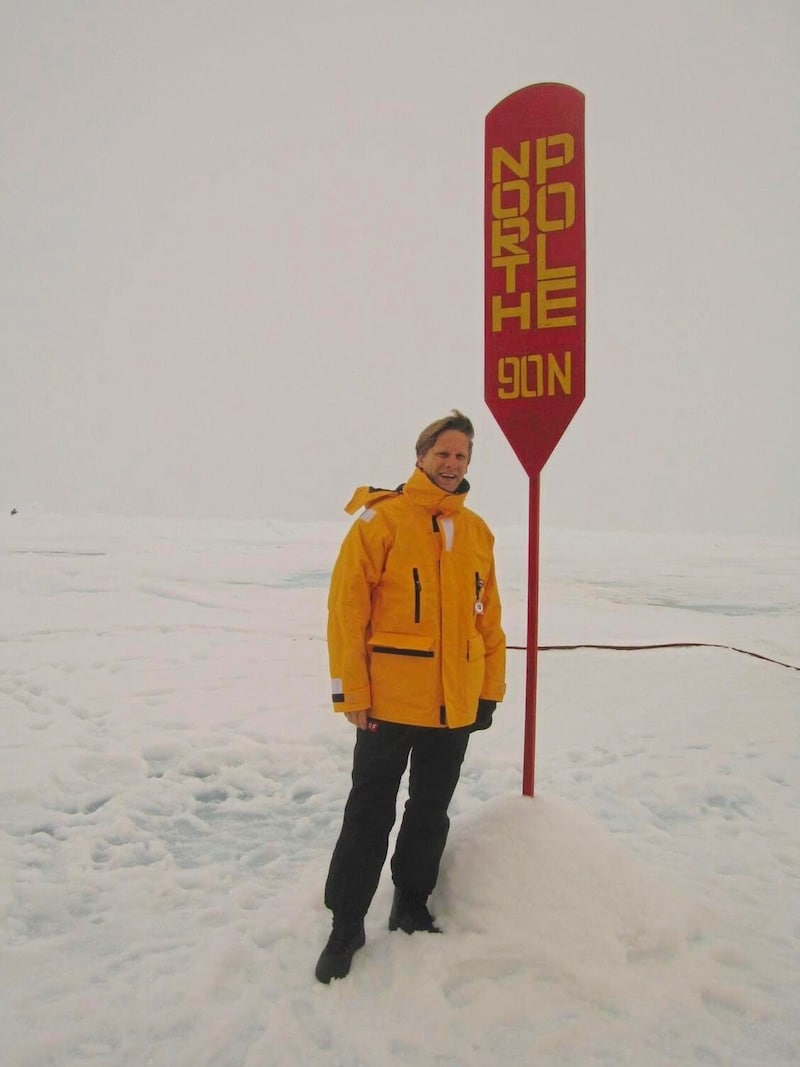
x=535, y=262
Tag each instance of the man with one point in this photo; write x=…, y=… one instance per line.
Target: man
x=417, y=657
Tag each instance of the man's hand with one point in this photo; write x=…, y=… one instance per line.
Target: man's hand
x=483, y=720
x=357, y=718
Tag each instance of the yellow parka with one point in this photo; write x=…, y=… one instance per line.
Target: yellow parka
x=414, y=629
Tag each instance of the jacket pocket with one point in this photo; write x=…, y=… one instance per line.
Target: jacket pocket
x=475, y=648
x=403, y=672
x=387, y=644
x=476, y=669
x=417, y=594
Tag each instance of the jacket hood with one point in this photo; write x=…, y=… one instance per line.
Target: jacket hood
x=367, y=495
x=419, y=488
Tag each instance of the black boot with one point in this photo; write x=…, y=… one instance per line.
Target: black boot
x=410, y=913
x=345, y=940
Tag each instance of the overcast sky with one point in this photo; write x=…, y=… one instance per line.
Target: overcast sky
x=242, y=254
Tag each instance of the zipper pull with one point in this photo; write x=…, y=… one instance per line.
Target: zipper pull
x=479, y=584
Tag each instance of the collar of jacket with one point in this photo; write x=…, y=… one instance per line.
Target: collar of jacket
x=419, y=489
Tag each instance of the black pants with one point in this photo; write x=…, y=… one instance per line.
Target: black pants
x=379, y=762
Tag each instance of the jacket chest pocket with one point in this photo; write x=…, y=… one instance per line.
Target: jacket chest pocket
x=417, y=594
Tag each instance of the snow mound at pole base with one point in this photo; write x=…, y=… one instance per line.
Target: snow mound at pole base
x=538, y=895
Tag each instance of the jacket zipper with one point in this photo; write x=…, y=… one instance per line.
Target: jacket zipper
x=417, y=595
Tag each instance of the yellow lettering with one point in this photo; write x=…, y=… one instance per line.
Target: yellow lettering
x=508, y=374
x=545, y=304
x=564, y=375
x=544, y=162
x=523, y=191
x=567, y=218
x=522, y=312
x=536, y=360
x=505, y=241
x=542, y=270
x=521, y=167
x=514, y=376
x=510, y=264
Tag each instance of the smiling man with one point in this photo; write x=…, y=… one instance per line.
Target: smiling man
x=447, y=460
x=417, y=656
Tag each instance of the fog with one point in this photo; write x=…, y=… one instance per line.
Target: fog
x=242, y=255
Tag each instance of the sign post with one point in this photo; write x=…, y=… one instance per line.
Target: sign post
x=535, y=300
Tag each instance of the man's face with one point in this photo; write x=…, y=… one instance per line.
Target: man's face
x=446, y=463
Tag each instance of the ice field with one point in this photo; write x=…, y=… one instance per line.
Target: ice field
x=173, y=780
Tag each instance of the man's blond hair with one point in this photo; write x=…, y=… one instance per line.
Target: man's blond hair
x=456, y=420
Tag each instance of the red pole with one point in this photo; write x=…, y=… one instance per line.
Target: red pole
x=533, y=638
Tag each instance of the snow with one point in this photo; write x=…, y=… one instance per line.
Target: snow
x=173, y=780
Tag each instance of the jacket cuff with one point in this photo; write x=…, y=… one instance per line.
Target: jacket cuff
x=350, y=699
